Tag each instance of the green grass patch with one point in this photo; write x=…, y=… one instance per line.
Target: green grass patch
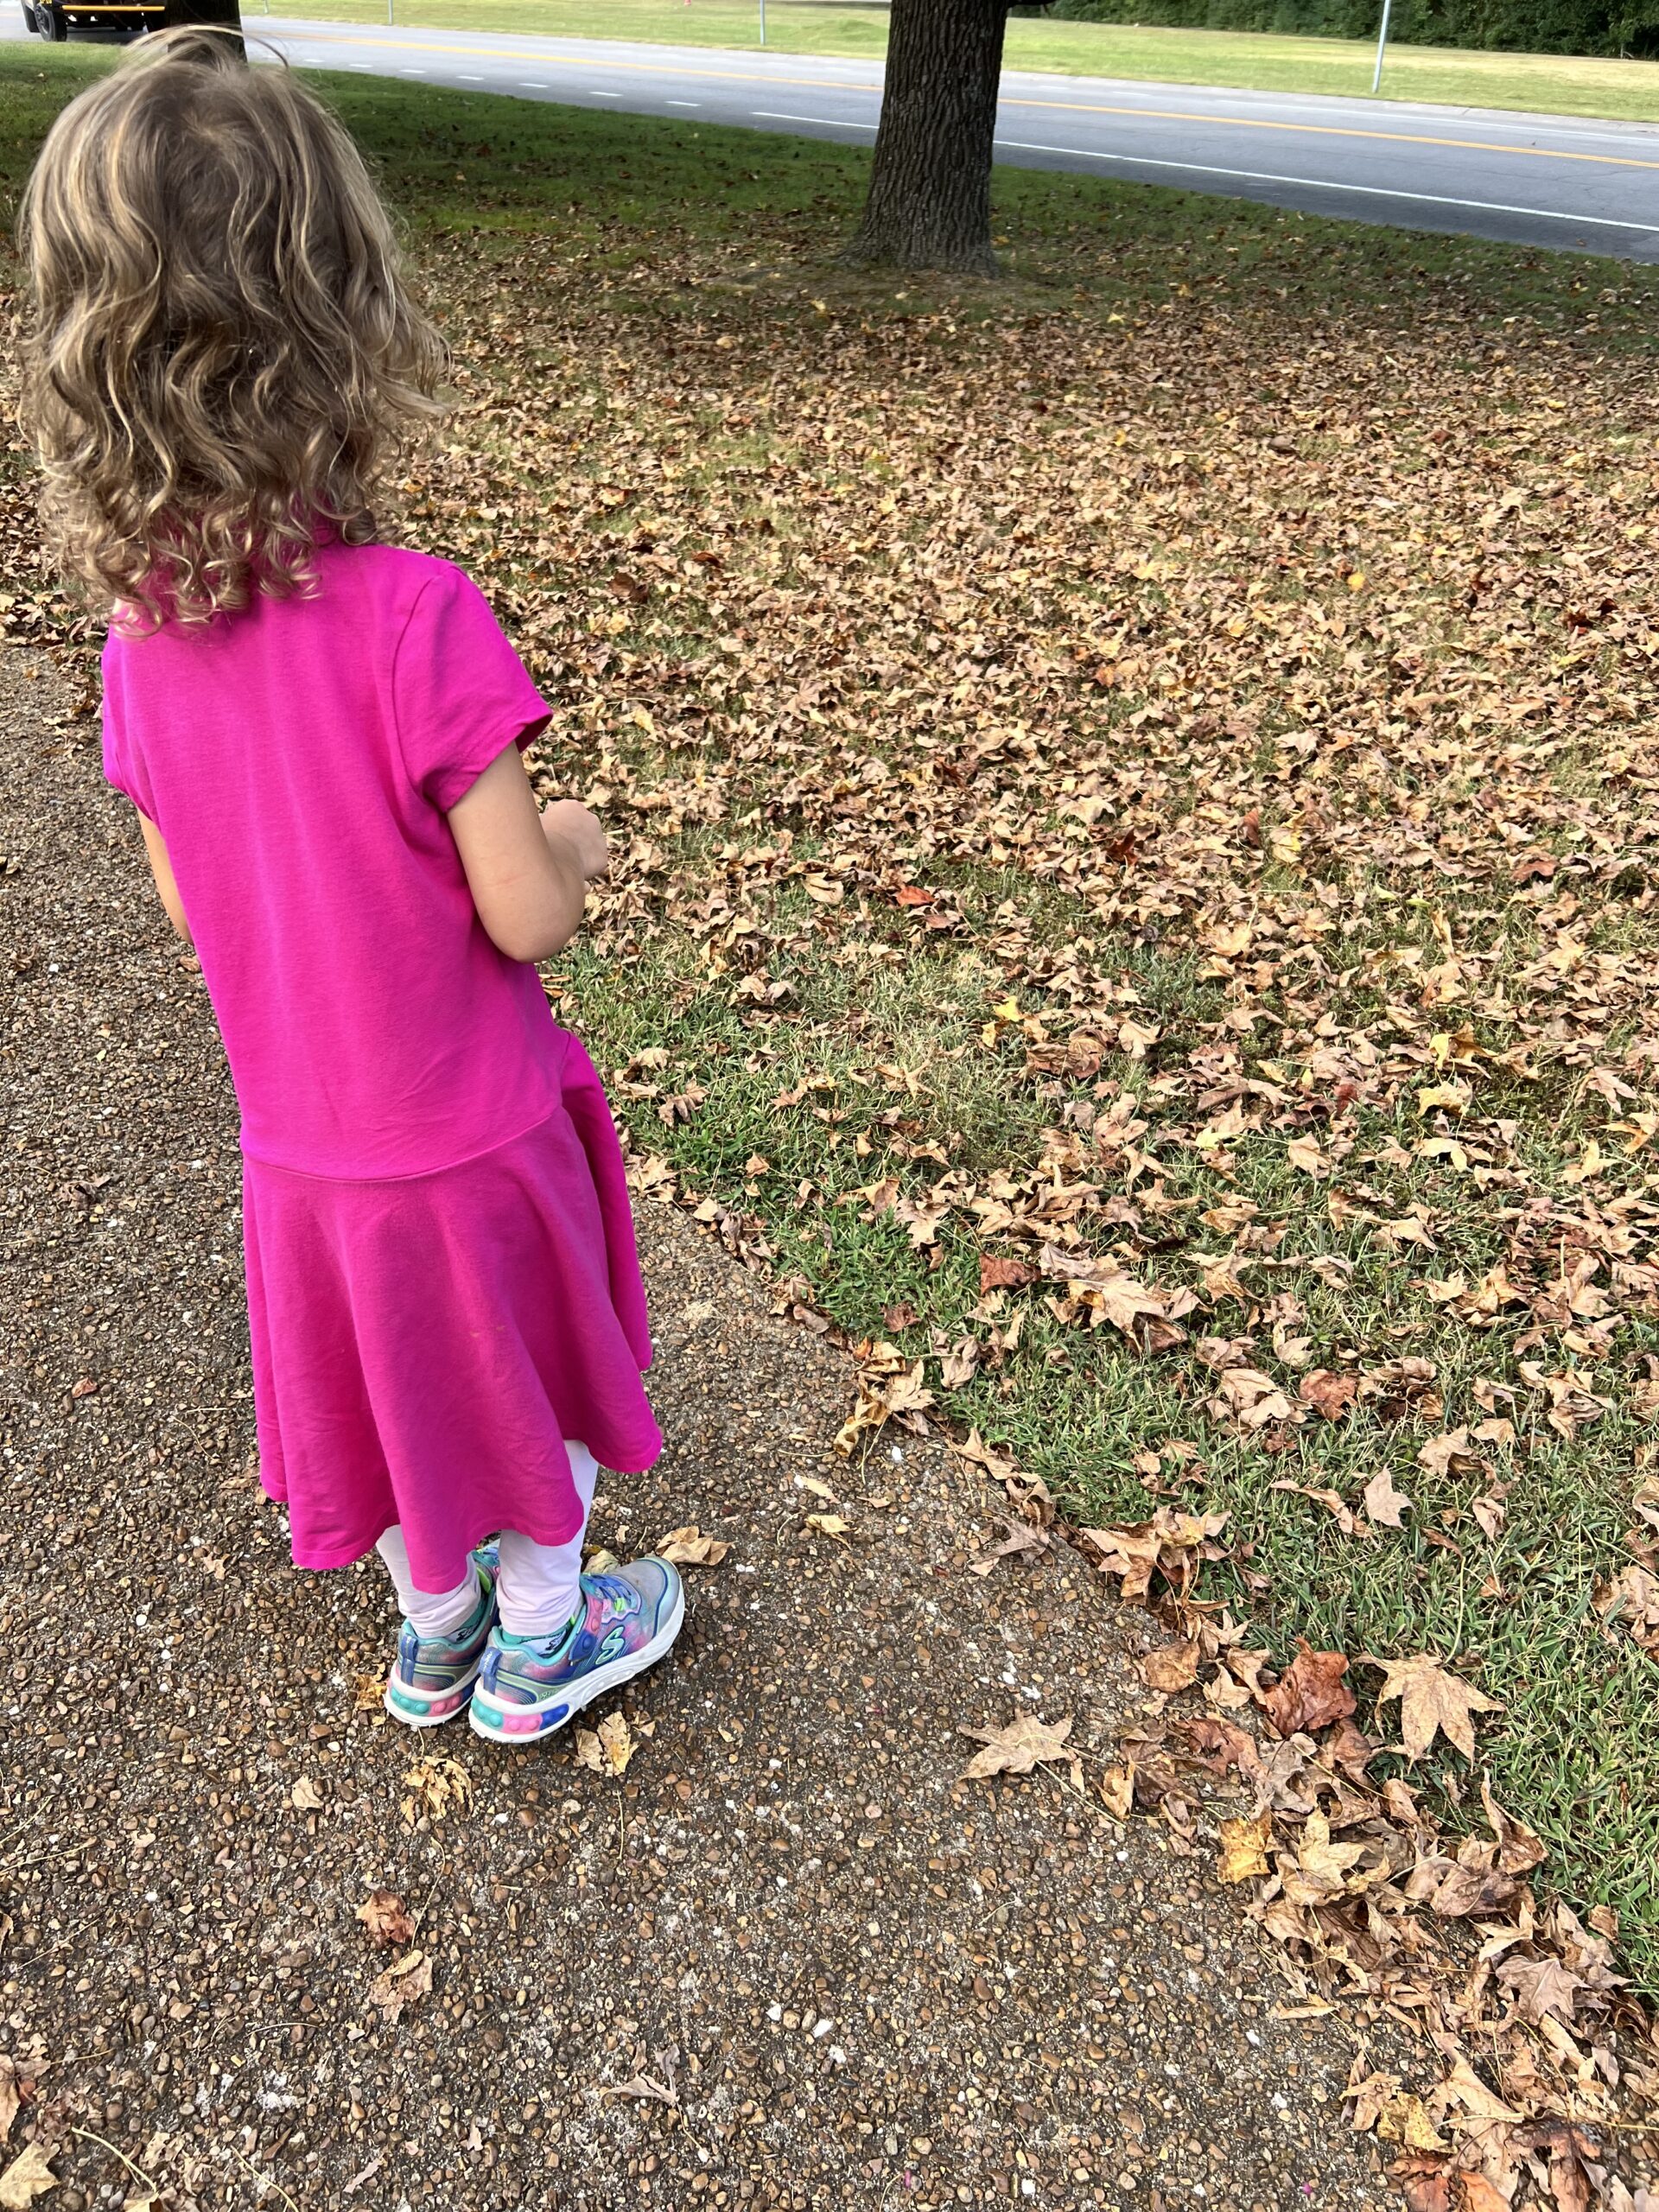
x=1252, y=60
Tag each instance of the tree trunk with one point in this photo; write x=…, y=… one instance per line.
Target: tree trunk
x=218, y=15
x=930, y=203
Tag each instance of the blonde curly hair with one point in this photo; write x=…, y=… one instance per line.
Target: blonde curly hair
x=223, y=359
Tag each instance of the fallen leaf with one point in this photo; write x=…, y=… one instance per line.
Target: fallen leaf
x=1449, y=1454
x=606, y=1749
x=1244, y=1848
x=9, y=2099
x=1541, y=1986
x=1172, y=1667
x=305, y=1796
x=1432, y=1701
x=1405, y=2121
x=1025, y=1744
x=27, y=2177
x=438, y=1787
x=828, y=1525
x=643, y=2085
x=1117, y=1791
x=1480, y=2196
x=403, y=1983
x=1328, y=1394
x=1385, y=1505
x=385, y=1918
x=688, y=1547
x=1310, y=1695
x=996, y=1273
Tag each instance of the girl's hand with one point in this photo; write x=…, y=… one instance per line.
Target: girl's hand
x=528, y=871
x=567, y=821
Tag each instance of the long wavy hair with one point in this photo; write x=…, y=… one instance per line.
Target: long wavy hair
x=223, y=361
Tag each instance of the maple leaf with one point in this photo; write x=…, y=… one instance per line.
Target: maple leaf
x=1543, y=1985
x=385, y=1918
x=1328, y=1394
x=1311, y=1693
x=1384, y=1503
x=1023, y=1744
x=1432, y=1702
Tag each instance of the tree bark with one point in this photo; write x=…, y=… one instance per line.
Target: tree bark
x=930, y=203
x=219, y=15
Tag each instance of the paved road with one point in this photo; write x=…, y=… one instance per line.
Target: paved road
x=1549, y=181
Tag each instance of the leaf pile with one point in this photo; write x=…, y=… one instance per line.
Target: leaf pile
x=1373, y=1907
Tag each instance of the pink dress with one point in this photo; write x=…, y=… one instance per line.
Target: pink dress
x=441, y=1278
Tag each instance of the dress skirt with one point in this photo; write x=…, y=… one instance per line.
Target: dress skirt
x=423, y=1346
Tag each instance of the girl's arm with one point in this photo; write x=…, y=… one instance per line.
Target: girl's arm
x=528, y=870
x=161, y=868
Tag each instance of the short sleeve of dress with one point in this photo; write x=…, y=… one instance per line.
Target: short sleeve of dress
x=124, y=765
x=460, y=693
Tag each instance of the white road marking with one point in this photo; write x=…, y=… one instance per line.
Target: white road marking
x=683, y=102
x=824, y=122
x=466, y=78
x=530, y=85
x=593, y=92
x=1321, y=184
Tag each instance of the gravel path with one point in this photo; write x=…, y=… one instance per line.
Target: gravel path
x=862, y=1981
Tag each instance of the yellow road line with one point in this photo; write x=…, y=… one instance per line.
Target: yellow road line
x=1071, y=107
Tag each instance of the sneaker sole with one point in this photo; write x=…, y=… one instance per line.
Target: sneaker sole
x=460, y=1691
x=493, y=1720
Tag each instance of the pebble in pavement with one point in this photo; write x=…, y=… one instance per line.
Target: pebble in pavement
x=864, y=1981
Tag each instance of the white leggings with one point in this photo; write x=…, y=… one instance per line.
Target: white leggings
x=539, y=1586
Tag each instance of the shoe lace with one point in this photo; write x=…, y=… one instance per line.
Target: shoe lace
x=616, y=1591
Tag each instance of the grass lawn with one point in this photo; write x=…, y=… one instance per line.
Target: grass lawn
x=1146, y=771
x=1550, y=83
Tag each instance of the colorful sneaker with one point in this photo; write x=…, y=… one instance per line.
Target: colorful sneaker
x=529, y=1686
x=432, y=1676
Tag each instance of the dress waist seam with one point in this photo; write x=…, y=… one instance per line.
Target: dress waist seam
x=412, y=1174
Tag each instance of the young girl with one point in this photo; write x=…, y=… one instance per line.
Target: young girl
x=321, y=732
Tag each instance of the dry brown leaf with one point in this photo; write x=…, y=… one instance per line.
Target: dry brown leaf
x=28, y=2176
x=385, y=1919
x=1311, y=1693
x=1328, y=1394
x=1480, y=2196
x=1405, y=2121
x=1244, y=1848
x=829, y=1524
x=437, y=1787
x=1449, y=1454
x=1385, y=1505
x=606, y=1749
x=403, y=1983
x=10, y=2098
x=1170, y=1667
x=688, y=1547
x=1117, y=1791
x=1021, y=1746
x=1432, y=1701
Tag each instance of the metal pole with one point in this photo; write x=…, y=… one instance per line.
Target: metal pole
x=1382, y=46
x=763, y=21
